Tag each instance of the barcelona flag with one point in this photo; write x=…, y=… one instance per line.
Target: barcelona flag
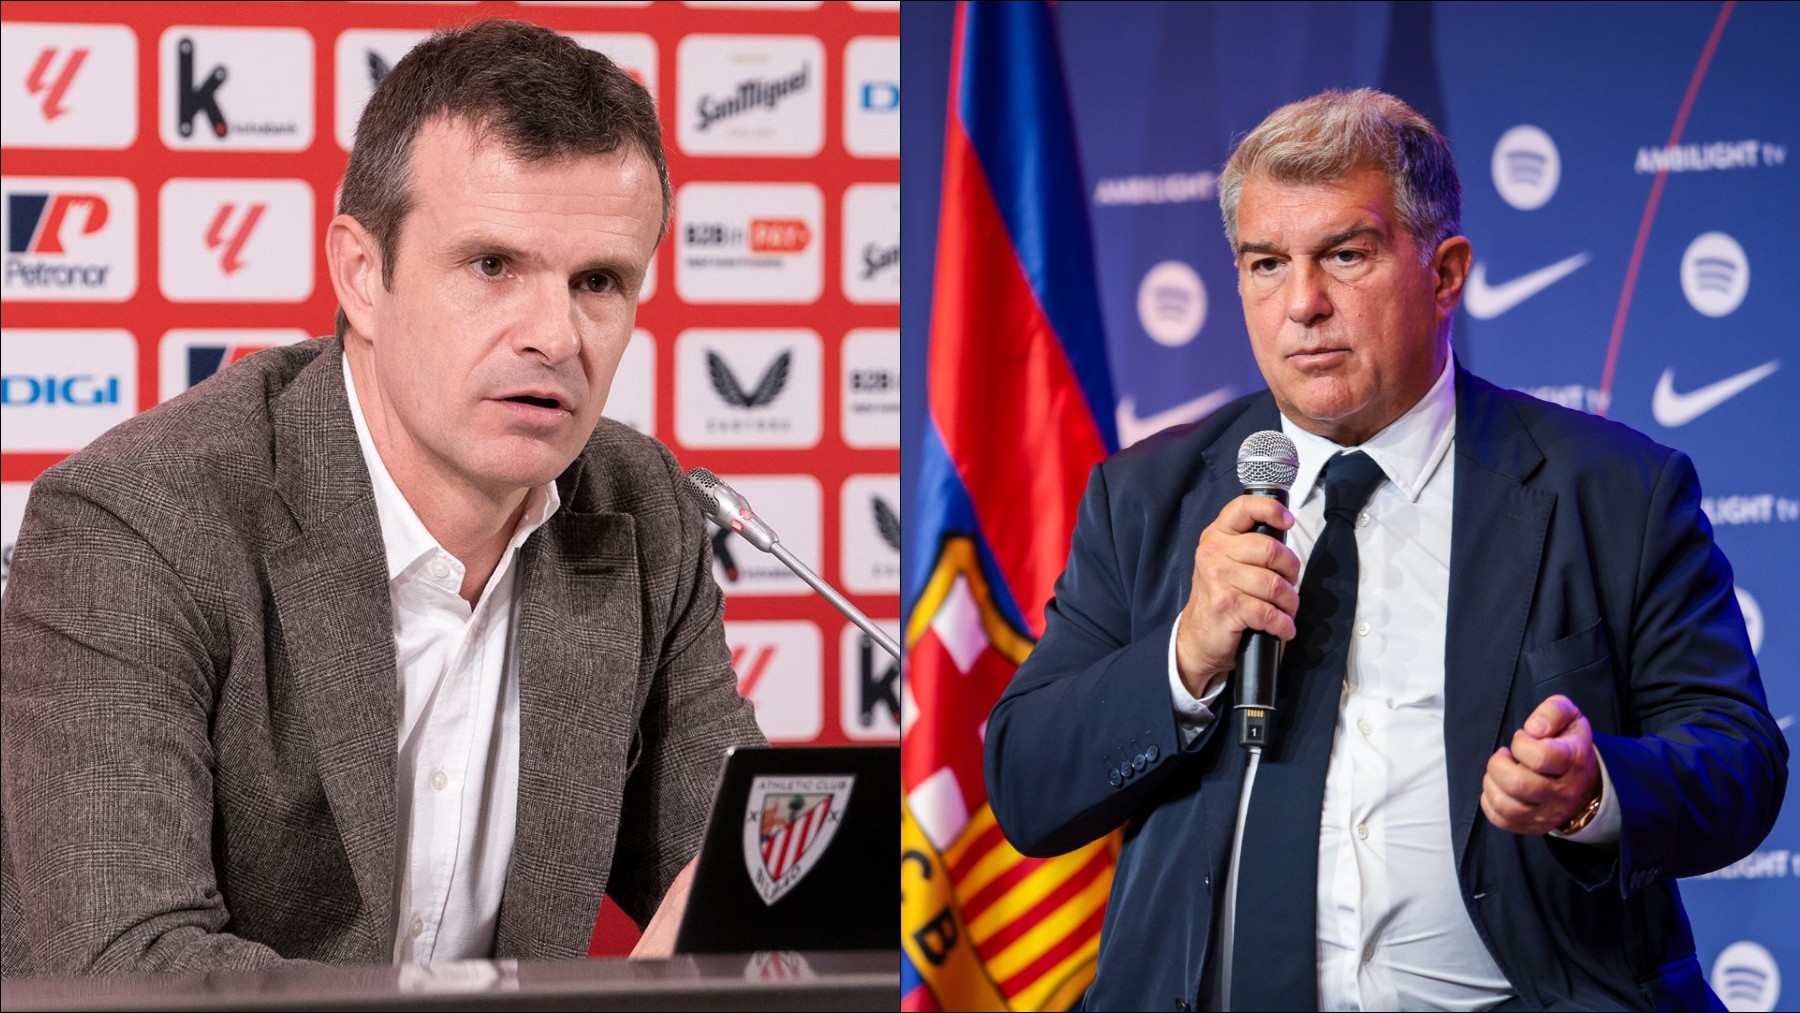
x=1021, y=408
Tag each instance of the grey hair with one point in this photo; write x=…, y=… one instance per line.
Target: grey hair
x=1333, y=134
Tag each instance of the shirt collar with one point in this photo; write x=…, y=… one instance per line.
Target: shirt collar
x=403, y=534
x=1409, y=449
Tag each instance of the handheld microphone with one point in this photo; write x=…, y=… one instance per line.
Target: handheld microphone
x=1267, y=464
x=728, y=508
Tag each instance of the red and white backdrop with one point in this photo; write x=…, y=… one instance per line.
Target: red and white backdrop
x=170, y=169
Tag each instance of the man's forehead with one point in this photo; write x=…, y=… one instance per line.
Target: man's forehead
x=1271, y=210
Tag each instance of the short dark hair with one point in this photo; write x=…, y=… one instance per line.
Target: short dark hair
x=539, y=94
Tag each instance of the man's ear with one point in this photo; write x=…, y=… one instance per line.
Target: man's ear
x=1451, y=265
x=353, y=260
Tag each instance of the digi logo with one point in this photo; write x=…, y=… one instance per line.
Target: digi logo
x=872, y=97
x=779, y=669
x=748, y=388
x=236, y=240
x=189, y=355
x=69, y=239
x=62, y=388
x=236, y=88
x=68, y=86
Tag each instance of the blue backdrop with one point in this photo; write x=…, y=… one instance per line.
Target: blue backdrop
x=1561, y=118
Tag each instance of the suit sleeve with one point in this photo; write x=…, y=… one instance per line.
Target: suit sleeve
x=693, y=713
x=1701, y=781
x=106, y=780
x=1086, y=730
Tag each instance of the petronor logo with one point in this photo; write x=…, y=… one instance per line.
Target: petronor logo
x=36, y=221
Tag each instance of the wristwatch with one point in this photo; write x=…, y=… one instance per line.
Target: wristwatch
x=1585, y=816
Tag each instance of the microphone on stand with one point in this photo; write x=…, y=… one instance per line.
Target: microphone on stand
x=728, y=508
x=1267, y=464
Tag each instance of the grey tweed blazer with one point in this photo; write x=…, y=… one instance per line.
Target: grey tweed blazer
x=199, y=696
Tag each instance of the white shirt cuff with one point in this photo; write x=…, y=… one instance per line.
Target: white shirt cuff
x=1192, y=714
x=1604, y=829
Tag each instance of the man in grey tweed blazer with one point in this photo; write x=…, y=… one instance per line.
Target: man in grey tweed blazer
x=205, y=759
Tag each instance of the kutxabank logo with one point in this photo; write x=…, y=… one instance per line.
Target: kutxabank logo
x=237, y=88
x=789, y=823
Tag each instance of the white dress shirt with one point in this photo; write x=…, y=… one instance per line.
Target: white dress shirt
x=1393, y=931
x=458, y=771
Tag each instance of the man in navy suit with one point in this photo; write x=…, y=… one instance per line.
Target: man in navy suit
x=1538, y=706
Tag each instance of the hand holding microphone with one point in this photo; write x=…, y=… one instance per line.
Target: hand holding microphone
x=1243, y=596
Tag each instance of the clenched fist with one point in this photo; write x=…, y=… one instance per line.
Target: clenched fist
x=1548, y=775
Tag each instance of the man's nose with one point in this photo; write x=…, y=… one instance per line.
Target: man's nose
x=1308, y=302
x=550, y=328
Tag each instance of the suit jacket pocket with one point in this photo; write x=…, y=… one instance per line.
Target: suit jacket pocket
x=1579, y=666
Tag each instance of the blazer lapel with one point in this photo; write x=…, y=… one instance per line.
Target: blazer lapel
x=329, y=584
x=1496, y=547
x=580, y=637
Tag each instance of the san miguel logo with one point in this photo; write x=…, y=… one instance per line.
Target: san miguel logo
x=756, y=93
x=788, y=826
x=767, y=389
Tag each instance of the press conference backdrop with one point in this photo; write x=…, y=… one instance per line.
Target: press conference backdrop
x=170, y=169
x=1633, y=211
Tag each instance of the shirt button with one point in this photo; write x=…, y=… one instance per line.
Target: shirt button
x=1362, y=519
x=1362, y=629
x=439, y=569
x=417, y=927
x=1365, y=727
x=1362, y=831
x=1369, y=952
x=439, y=779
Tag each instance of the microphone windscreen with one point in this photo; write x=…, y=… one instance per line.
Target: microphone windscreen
x=1268, y=460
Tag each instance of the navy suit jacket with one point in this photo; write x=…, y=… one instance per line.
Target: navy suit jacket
x=1580, y=564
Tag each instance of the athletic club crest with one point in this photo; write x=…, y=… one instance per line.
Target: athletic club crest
x=788, y=823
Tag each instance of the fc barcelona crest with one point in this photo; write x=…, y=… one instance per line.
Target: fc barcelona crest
x=788, y=824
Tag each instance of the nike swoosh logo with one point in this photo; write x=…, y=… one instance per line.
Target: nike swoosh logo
x=1672, y=409
x=1132, y=428
x=1485, y=302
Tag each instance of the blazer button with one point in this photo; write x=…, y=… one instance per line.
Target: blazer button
x=1137, y=762
x=1151, y=752
x=1115, y=777
x=1125, y=769
x=1181, y=1005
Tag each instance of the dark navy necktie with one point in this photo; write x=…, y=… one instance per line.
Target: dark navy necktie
x=1274, y=963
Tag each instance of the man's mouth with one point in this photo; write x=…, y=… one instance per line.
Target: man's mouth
x=536, y=401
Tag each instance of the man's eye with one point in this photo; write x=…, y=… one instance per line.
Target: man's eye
x=1346, y=257
x=1263, y=266
x=491, y=266
x=597, y=283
